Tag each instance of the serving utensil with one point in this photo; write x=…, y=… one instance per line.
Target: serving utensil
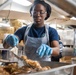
x=19, y=58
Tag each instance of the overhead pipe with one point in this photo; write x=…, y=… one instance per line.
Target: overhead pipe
x=65, y=5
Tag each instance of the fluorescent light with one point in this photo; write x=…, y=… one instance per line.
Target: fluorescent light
x=23, y=2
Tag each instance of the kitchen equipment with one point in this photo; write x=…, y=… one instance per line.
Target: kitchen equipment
x=23, y=62
x=57, y=69
x=19, y=58
x=67, y=51
x=16, y=58
x=74, y=62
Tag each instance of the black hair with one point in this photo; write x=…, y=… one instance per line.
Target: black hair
x=46, y=5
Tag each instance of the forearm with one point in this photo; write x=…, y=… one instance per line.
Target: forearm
x=55, y=51
x=56, y=48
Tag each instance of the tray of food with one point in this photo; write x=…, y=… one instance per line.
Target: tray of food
x=37, y=68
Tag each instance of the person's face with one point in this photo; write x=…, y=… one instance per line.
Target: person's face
x=39, y=14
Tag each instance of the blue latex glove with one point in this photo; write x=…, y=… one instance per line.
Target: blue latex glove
x=44, y=50
x=12, y=40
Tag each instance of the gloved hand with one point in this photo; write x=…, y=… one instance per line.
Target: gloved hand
x=44, y=50
x=12, y=40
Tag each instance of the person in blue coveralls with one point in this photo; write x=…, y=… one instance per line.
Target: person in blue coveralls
x=41, y=41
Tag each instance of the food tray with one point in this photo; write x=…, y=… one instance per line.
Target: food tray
x=57, y=69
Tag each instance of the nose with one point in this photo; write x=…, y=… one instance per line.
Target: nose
x=37, y=14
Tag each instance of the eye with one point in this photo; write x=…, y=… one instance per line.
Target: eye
x=39, y=12
x=42, y=12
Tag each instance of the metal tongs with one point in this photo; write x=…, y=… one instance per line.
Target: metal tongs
x=24, y=62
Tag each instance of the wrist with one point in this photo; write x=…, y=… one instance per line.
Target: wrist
x=51, y=50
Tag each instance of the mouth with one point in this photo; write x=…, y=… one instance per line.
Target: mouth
x=37, y=19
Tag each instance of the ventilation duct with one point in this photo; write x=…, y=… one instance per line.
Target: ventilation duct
x=13, y=10
x=73, y=2
x=69, y=6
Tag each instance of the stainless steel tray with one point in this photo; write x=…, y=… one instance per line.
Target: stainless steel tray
x=57, y=69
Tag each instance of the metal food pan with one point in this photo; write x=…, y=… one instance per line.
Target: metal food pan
x=57, y=68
